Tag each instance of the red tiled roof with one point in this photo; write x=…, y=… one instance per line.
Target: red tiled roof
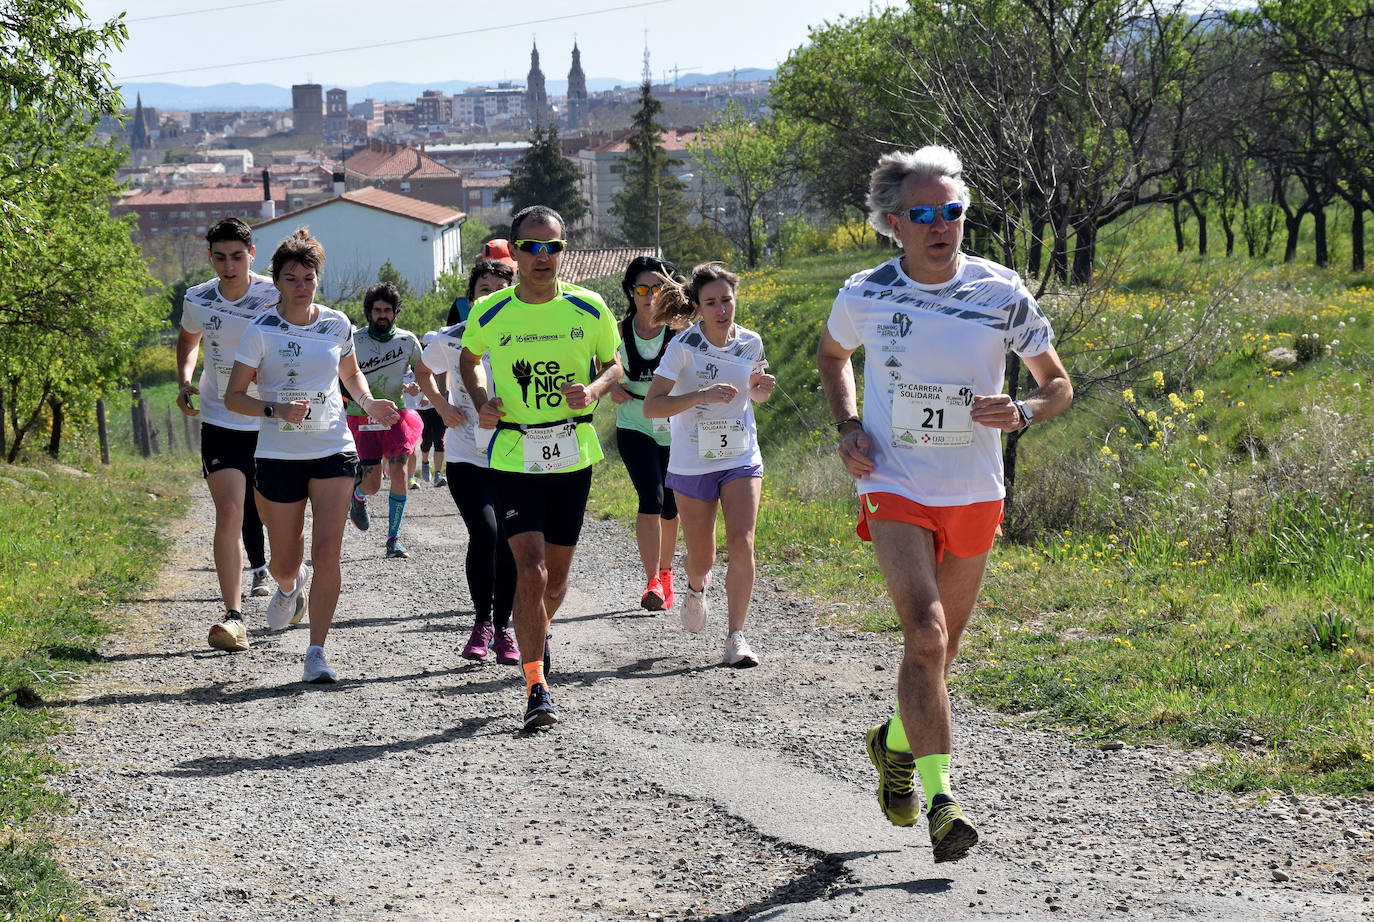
x=389, y=202
x=203, y=195
x=396, y=163
x=671, y=140
x=578, y=265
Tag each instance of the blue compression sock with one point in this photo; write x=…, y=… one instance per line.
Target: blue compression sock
x=397, y=506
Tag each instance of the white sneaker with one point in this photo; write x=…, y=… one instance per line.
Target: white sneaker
x=287, y=608
x=695, y=609
x=737, y=652
x=229, y=634
x=316, y=669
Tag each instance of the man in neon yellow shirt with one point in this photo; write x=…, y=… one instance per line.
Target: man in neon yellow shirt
x=545, y=340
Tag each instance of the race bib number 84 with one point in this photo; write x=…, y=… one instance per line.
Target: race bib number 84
x=932, y=415
x=551, y=449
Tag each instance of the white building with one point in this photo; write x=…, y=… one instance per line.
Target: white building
x=362, y=229
x=603, y=175
x=234, y=160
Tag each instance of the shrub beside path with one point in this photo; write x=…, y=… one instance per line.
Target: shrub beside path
x=210, y=786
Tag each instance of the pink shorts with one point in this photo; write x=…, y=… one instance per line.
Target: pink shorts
x=964, y=531
x=396, y=442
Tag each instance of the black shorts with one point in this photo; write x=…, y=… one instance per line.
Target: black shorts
x=433, y=436
x=550, y=503
x=227, y=449
x=287, y=480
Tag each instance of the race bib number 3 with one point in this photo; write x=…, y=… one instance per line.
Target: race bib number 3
x=721, y=438
x=315, y=415
x=932, y=415
x=551, y=449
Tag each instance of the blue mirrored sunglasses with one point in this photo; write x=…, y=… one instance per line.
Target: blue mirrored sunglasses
x=540, y=247
x=925, y=214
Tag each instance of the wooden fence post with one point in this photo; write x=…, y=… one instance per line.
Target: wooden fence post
x=103, y=427
x=146, y=412
x=171, y=434
x=139, y=422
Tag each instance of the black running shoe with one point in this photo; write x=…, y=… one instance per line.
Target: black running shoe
x=539, y=710
x=357, y=513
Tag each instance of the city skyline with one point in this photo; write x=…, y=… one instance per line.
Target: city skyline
x=424, y=40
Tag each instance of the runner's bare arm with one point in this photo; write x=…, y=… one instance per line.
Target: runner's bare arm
x=837, y=379
x=1051, y=396
x=658, y=402
x=475, y=380
x=188, y=345
x=431, y=384
x=383, y=411
x=236, y=398
x=580, y=397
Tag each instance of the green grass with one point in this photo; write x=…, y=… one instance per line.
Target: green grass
x=1179, y=543
x=72, y=549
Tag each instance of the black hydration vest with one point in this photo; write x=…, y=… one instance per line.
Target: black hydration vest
x=639, y=368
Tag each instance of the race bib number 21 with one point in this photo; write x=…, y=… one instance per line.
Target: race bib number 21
x=932, y=415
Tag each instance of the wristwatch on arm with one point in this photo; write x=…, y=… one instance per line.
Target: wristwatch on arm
x=1027, y=414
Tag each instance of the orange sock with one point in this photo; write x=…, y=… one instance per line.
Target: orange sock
x=534, y=674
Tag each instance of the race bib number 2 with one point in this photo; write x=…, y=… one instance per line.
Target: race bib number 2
x=551, y=449
x=315, y=415
x=932, y=415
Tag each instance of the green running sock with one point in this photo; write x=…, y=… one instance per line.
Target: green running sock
x=896, y=734
x=934, y=772
x=397, y=508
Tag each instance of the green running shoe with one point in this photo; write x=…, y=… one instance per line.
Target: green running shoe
x=896, y=790
x=950, y=834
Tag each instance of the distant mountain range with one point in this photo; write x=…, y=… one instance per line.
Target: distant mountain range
x=231, y=96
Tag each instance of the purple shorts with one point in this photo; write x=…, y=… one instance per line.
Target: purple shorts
x=706, y=487
x=396, y=442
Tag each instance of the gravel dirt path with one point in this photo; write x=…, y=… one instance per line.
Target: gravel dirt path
x=210, y=786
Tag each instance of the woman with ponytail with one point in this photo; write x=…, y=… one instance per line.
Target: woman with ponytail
x=707, y=382
x=643, y=442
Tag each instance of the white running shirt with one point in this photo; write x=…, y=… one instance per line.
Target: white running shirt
x=460, y=442
x=691, y=362
x=928, y=349
x=301, y=363
x=220, y=324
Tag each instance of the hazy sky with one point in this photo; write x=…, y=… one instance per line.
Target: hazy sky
x=176, y=41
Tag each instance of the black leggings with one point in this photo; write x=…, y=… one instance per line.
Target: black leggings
x=252, y=530
x=647, y=462
x=490, y=565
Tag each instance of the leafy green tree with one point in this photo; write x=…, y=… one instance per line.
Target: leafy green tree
x=52, y=71
x=746, y=159
x=74, y=292
x=389, y=273
x=74, y=300
x=545, y=177
x=651, y=207
x=838, y=90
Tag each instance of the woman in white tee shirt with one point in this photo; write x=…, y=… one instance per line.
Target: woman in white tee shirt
x=707, y=382
x=297, y=354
